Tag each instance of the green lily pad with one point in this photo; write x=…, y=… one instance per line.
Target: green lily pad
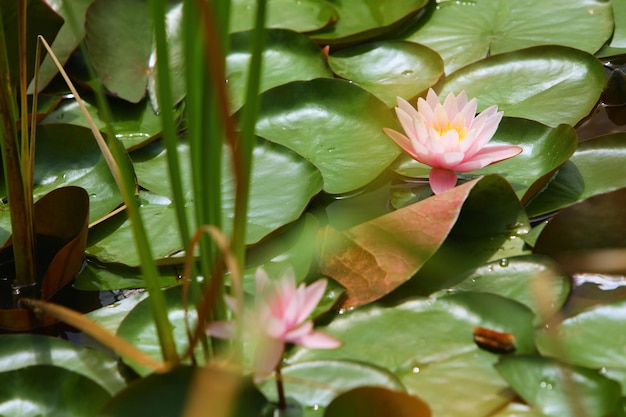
x=596, y=167
x=549, y=84
x=44, y=390
x=112, y=241
x=314, y=384
x=134, y=124
x=460, y=383
x=297, y=15
x=138, y=328
x=574, y=234
x=465, y=32
x=571, y=340
x=175, y=43
x=41, y=19
x=374, y=401
x=389, y=69
x=289, y=247
x=531, y=280
x=545, y=149
x=335, y=125
x=24, y=350
x=119, y=39
x=287, y=56
x=95, y=277
x=173, y=393
x=66, y=41
x=618, y=40
x=410, y=338
x=69, y=155
x=366, y=19
x=557, y=390
x=111, y=316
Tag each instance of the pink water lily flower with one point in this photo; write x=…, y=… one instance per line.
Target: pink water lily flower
x=449, y=137
x=279, y=316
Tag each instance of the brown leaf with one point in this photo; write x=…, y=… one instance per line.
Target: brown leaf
x=61, y=220
x=375, y=257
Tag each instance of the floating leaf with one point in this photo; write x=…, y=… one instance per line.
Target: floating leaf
x=40, y=20
x=314, y=384
x=466, y=381
x=549, y=84
x=531, y=280
x=94, y=277
x=375, y=257
x=596, y=167
x=44, y=390
x=335, y=125
x=119, y=40
x=60, y=226
x=595, y=224
x=558, y=390
x=389, y=69
x=138, y=328
x=23, y=350
x=134, y=124
x=411, y=338
x=173, y=393
x=373, y=401
x=571, y=339
x=366, y=19
x=298, y=15
x=68, y=155
x=67, y=40
x=288, y=56
x=465, y=32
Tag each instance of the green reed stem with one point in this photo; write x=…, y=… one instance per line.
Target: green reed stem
x=247, y=138
x=16, y=178
x=128, y=188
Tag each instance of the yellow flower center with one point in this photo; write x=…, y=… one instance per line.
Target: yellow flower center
x=443, y=128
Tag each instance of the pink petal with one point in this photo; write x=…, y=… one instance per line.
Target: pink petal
x=221, y=329
x=313, y=295
x=402, y=141
x=450, y=140
x=319, y=340
x=406, y=107
x=488, y=156
x=268, y=354
x=432, y=98
x=450, y=160
x=406, y=121
x=441, y=180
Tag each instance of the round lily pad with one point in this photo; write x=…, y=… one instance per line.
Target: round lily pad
x=287, y=56
x=389, y=69
x=465, y=32
x=335, y=125
x=549, y=84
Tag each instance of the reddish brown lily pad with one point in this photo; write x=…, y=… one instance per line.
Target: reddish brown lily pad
x=372, y=259
x=61, y=225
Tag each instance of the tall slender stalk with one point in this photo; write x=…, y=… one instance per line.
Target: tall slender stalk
x=16, y=162
x=245, y=145
x=125, y=178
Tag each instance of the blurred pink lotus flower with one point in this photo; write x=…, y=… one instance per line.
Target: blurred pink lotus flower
x=279, y=316
x=449, y=137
